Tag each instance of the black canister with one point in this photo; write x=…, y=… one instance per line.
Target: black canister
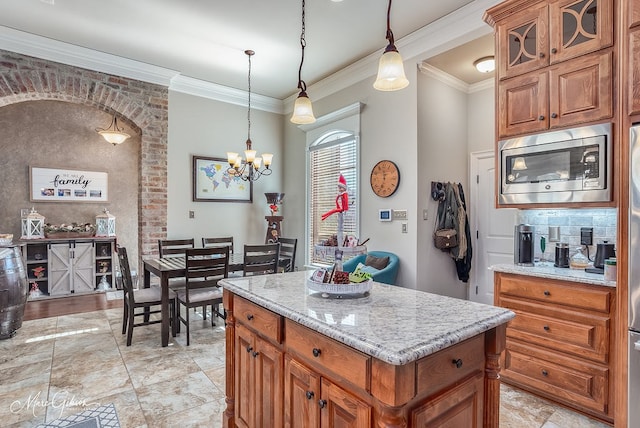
x=562, y=255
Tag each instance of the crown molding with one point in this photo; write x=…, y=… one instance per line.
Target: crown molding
x=441, y=76
x=481, y=86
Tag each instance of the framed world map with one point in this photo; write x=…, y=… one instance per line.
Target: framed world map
x=213, y=183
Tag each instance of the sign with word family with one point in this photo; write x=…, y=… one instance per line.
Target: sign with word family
x=67, y=185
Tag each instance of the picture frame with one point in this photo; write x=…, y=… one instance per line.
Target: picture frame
x=67, y=185
x=212, y=183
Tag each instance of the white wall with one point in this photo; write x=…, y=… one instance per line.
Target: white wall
x=481, y=119
x=225, y=129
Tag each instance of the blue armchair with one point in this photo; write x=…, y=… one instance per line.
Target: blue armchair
x=387, y=275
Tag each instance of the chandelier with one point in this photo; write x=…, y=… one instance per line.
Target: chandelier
x=250, y=169
x=390, y=69
x=113, y=134
x=302, y=109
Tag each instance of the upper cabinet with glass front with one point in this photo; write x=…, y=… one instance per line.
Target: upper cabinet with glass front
x=532, y=34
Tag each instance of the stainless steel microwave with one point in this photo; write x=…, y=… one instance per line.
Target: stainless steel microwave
x=571, y=165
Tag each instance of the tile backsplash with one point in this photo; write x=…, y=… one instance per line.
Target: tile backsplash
x=602, y=220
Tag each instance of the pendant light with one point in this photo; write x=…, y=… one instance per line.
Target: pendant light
x=390, y=69
x=250, y=169
x=302, y=109
x=113, y=134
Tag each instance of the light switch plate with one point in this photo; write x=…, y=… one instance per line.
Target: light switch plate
x=399, y=214
x=404, y=227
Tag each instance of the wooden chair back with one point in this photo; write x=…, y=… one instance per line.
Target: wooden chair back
x=261, y=259
x=174, y=247
x=288, y=248
x=206, y=266
x=125, y=271
x=218, y=242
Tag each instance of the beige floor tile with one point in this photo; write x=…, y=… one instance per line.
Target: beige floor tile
x=24, y=406
x=159, y=368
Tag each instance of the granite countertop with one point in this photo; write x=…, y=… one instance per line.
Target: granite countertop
x=547, y=270
x=393, y=324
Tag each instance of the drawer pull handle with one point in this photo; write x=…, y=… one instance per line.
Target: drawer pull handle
x=255, y=354
x=554, y=115
x=541, y=117
x=322, y=403
x=546, y=328
x=545, y=373
x=554, y=50
x=249, y=317
x=309, y=395
x=457, y=363
x=316, y=352
x=541, y=55
x=249, y=349
x=547, y=293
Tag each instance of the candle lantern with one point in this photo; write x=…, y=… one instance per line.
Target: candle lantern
x=105, y=224
x=33, y=225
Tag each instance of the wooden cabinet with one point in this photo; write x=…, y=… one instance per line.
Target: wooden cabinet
x=560, y=343
x=554, y=68
x=632, y=58
x=286, y=374
x=62, y=267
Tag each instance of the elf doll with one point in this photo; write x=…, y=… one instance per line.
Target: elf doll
x=342, y=200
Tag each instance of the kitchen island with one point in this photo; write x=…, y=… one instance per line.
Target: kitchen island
x=393, y=358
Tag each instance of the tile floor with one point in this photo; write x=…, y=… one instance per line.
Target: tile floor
x=55, y=367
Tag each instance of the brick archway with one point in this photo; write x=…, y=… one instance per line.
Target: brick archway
x=143, y=106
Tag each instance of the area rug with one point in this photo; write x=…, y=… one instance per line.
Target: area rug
x=100, y=417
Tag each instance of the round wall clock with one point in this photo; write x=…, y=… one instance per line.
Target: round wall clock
x=385, y=178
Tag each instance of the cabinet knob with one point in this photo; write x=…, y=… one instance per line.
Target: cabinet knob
x=547, y=293
x=545, y=373
x=309, y=395
x=541, y=117
x=249, y=349
x=457, y=363
x=316, y=352
x=554, y=50
x=255, y=354
x=546, y=328
x=322, y=403
x=541, y=54
x=249, y=317
x=554, y=115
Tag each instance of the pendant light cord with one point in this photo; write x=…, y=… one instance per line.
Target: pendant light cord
x=303, y=43
x=389, y=32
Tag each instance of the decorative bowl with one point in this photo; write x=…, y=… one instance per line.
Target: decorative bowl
x=339, y=290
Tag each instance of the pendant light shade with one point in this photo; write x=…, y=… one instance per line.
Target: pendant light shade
x=302, y=109
x=113, y=134
x=390, y=68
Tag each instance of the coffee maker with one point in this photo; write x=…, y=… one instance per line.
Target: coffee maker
x=523, y=245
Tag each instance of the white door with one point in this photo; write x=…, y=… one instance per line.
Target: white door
x=493, y=228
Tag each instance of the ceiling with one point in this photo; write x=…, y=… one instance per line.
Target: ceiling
x=206, y=39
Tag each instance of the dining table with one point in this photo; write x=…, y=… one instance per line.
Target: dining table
x=175, y=267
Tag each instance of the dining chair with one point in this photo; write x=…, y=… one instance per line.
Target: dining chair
x=218, y=242
x=174, y=247
x=144, y=298
x=204, y=268
x=288, y=253
x=261, y=259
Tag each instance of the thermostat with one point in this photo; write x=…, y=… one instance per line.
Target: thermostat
x=385, y=215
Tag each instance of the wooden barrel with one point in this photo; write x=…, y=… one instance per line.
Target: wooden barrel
x=14, y=290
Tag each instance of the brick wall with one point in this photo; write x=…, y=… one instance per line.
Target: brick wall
x=142, y=106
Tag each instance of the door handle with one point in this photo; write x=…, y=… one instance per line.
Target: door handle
x=636, y=345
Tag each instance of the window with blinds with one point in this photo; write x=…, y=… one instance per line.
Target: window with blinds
x=330, y=156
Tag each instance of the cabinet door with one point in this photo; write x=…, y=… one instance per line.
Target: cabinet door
x=244, y=375
x=83, y=279
x=338, y=408
x=60, y=269
x=523, y=42
x=523, y=104
x=462, y=406
x=633, y=67
x=578, y=27
x=581, y=90
x=269, y=384
x=301, y=395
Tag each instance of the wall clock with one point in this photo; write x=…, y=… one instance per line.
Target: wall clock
x=385, y=178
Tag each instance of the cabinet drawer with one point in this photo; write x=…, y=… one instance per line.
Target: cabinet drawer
x=260, y=320
x=580, y=333
x=578, y=296
x=575, y=382
x=450, y=365
x=324, y=353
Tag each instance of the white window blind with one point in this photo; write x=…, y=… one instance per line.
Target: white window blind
x=329, y=157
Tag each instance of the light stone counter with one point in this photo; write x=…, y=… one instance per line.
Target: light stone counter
x=547, y=270
x=393, y=324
